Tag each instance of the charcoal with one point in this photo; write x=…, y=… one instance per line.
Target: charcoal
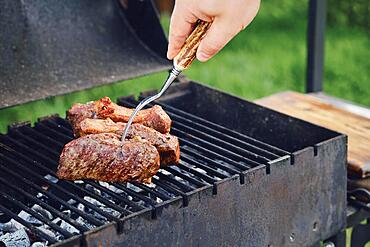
x=71, y=201
x=81, y=207
x=111, y=187
x=18, y=238
x=151, y=185
x=133, y=187
x=65, y=225
x=38, y=244
x=10, y=226
x=47, y=230
x=92, y=188
x=83, y=222
x=102, y=207
x=158, y=200
x=42, y=211
x=68, y=227
x=51, y=178
x=29, y=218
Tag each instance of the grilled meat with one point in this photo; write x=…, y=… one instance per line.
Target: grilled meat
x=154, y=117
x=167, y=145
x=79, y=112
x=99, y=157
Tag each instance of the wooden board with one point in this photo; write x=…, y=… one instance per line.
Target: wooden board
x=314, y=110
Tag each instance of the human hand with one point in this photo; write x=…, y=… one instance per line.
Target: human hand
x=229, y=17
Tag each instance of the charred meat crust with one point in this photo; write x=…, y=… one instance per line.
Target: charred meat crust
x=167, y=145
x=154, y=117
x=99, y=157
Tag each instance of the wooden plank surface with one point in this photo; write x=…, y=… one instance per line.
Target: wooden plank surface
x=314, y=110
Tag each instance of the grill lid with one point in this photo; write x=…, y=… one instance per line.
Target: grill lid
x=52, y=47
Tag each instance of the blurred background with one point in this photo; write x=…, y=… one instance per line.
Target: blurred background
x=268, y=57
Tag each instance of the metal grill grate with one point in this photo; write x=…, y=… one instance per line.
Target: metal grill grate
x=56, y=210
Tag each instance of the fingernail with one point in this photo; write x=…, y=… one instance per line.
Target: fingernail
x=201, y=56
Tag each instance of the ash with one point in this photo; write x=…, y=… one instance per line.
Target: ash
x=14, y=233
x=19, y=238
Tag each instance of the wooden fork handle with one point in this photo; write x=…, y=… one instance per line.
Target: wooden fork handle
x=188, y=52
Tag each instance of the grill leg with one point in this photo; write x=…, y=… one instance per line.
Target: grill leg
x=315, y=40
x=360, y=235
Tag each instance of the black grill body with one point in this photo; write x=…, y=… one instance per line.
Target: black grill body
x=248, y=176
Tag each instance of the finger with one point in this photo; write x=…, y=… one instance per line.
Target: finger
x=181, y=25
x=218, y=35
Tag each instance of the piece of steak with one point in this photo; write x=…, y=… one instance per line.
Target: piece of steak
x=167, y=145
x=79, y=112
x=154, y=117
x=99, y=157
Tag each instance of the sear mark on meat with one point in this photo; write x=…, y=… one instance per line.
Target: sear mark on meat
x=167, y=145
x=99, y=157
x=154, y=117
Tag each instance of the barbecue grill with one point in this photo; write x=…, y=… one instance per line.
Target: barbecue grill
x=248, y=176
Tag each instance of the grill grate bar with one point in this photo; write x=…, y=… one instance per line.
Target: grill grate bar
x=180, y=185
x=214, y=140
x=33, y=134
x=60, y=189
x=71, y=184
x=209, y=170
x=185, y=176
x=134, y=194
x=224, y=152
x=211, y=153
x=63, y=122
x=210, y=145
x=37, y=215
x=55, y=211
x=17, y=135
x=213, y=162
x=187, y=167
x=34, y=230
x=152, y=191
x=89, y=218
x=135, y=206
x=221, y=129
x=149, y=200
x=23, y=147
x=57, y=126
x=222, y=136
x=43, y=127
x=169, y=187
x=167, y=178
x=127, y=201
x=101, y=199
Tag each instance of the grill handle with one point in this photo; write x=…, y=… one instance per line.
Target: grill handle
x=188, y=52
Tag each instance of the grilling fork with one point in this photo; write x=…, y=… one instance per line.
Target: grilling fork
x=181, y=62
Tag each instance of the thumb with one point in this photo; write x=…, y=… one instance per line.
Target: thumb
x=182, y=22
x=218, y=35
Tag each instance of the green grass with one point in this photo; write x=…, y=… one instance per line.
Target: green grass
x=270, y=56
